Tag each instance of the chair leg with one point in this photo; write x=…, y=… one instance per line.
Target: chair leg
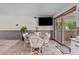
x=41, y=49
x=32, y=51
x=48, y=45
x=24, y=44
x=36, y=50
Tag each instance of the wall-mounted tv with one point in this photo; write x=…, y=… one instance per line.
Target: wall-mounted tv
x=45, y=21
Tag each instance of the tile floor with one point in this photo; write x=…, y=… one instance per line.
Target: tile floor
x=16, y=47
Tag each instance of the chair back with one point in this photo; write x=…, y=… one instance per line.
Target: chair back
x=35, y=41
x=25, y=35
x=45, y=36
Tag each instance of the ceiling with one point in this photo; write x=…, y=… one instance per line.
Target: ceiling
x=31, y=9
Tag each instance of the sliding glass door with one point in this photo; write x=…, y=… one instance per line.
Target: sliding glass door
x=65, y=28
x=58, y=30
x=69, y=27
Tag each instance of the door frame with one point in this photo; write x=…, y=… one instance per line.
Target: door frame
x=62, y=21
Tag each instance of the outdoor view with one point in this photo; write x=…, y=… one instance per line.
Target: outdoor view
x=68, y=25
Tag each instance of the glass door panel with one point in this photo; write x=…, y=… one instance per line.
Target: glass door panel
x=69, y=27
x=58, y=30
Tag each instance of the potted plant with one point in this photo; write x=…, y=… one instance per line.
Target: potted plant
x=23, y=30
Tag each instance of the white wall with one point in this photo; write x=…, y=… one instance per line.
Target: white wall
x=9, y=23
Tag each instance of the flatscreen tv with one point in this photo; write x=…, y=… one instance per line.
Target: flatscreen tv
x=45, y=21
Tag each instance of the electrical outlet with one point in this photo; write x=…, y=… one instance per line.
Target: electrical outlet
x=17, y=24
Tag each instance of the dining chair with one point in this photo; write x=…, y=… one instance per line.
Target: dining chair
x=36, y=44
x=46, y=38
x=26, y=40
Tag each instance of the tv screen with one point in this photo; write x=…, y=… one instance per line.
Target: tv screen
x=45, y=21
